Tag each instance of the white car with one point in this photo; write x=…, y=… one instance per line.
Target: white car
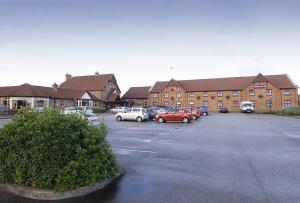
x=247, y=106
x=134, y=113
x=118, y=109
x=72, y=110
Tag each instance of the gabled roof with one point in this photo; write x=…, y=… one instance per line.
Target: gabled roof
x=89, y=82
x=137, y=93
x=231, y=83
x=27, y=90
x=112, y=96
x=260, y=78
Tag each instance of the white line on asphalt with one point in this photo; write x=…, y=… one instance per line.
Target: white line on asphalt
x=132, y=138
x=134, y=150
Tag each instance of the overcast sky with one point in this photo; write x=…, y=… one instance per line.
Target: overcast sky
x=138, y=40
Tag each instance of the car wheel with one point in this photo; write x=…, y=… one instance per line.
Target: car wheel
x=139, y=119
x=194, y=117
x=161, y=120
x=119, y=118
x=185, y=120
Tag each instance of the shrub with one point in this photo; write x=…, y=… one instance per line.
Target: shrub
x=290, y=111
x=99, y=110
x=50, y=150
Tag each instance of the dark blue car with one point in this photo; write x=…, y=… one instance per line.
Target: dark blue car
x=204, y=110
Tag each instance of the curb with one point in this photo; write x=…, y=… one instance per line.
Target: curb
x=37, y=194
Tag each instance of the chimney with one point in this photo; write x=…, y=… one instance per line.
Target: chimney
x=55, y=86
x=96, y=73
x=68, y=76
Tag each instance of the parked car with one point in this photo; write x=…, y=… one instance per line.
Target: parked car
x=135, y=113
x=93, y=119
x=223, y=109
x=194, y=111
x=117, y=109
x=157, y=109
x=72, y=110
x=174, y=115
x=151, y=114
x=247, y=106
x=203, y=110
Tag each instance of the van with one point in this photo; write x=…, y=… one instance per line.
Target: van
x=247, y=106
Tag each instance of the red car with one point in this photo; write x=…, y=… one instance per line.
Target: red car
x=174, y=115
x=196, y=113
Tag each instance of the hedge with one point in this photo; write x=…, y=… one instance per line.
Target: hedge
x=99, y=110
x=50, y=150
x=290, y=111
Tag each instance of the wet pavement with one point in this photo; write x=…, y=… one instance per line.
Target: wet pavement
x=219, y=158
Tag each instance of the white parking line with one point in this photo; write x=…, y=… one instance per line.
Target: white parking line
x=133, y=150
x=135, y=139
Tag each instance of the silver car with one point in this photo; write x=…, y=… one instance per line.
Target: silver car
x=118, y=109
x=134, y=113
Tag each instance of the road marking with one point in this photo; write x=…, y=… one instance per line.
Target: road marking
x=132, y=138
x=133, y=150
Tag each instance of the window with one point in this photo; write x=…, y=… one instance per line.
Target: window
x=191, y=94
x=178, y=104
x=220, y=93
x=144, y=104
x=166, y=94
x=205, y=103
x=286, y=92
x=178, y=94
x=166, y=103
x=154, y=103
x=205, y=94
x=269, y=103
x=235, y=93
x=251, y=93
x=136, y=110
x=235, y=103
x=154, y=94
x=269, y=92
x=287, y=103
x=220, y=103
x=191, y=103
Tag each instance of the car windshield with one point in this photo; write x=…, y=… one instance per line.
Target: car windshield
x=247, y=105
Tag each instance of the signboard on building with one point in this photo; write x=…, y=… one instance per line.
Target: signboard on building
x=259, y=85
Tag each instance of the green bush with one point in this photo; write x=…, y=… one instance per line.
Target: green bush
x=50, y=150
x=99, y=110
x=290, y=111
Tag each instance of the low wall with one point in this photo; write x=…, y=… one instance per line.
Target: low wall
x=52, y=195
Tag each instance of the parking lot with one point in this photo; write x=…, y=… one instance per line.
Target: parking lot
x=219, y=158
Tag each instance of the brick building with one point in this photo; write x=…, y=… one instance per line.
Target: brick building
x=92, y=90
x=137, y=95
x=268, y=93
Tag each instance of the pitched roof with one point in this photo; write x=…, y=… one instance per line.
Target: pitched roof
x=27, y=90
x=89, y=82
x=231, y=83
x=112, y=96
x=137, y=93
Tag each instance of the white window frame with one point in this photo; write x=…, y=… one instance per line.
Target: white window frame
x=269, y=92
x=251, y=93
x=178, y=94
x=205, y=94
x=220, y=102
x=166, y=94
x=155, y=95
x=235, y=93
x=191, y=103
x=178, y=104
x=191, y=94
x=219, y=93
x=289, y=102
x=286, y=92
x=205, y=103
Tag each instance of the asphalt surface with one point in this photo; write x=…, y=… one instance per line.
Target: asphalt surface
x=219, y=158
